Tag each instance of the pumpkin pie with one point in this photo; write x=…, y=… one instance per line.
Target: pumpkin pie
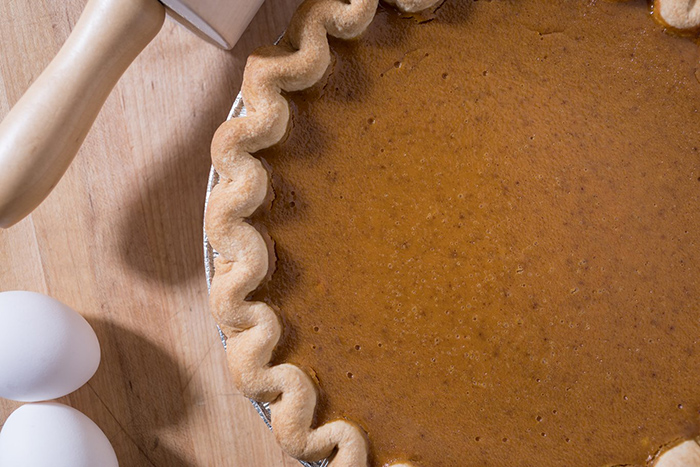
x=468, y=233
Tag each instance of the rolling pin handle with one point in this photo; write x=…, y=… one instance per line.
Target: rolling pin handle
x=41, y=134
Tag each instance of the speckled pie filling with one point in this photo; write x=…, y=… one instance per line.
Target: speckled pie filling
x=486, y=223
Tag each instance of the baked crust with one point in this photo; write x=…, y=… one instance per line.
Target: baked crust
x=685, y=454
x=253, y=328
x=683, y=15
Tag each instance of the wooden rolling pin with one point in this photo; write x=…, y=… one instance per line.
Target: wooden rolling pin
x=42, y=133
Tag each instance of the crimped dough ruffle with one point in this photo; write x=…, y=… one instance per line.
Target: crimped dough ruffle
x=679, y=14
x=252, y=328
x=685, y=454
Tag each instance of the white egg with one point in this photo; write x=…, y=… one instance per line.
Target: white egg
x=47, y=350
x=49, y=434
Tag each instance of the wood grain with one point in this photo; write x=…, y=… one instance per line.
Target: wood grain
x=120, y=240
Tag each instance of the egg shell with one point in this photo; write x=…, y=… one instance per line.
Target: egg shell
x=49, y=434
x=47, y=350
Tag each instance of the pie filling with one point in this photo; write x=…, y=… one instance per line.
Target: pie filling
x=487, y=230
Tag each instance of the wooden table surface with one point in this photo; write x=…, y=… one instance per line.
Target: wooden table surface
x=120, y=241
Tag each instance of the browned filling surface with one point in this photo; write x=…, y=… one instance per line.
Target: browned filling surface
x=487, y=228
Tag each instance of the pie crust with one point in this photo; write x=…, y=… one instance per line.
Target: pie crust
x=682, y=15
x=253, y=328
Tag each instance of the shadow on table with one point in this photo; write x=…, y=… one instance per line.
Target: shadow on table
x=136, y=398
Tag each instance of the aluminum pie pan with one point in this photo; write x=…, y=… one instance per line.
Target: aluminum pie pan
x=263, y=408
